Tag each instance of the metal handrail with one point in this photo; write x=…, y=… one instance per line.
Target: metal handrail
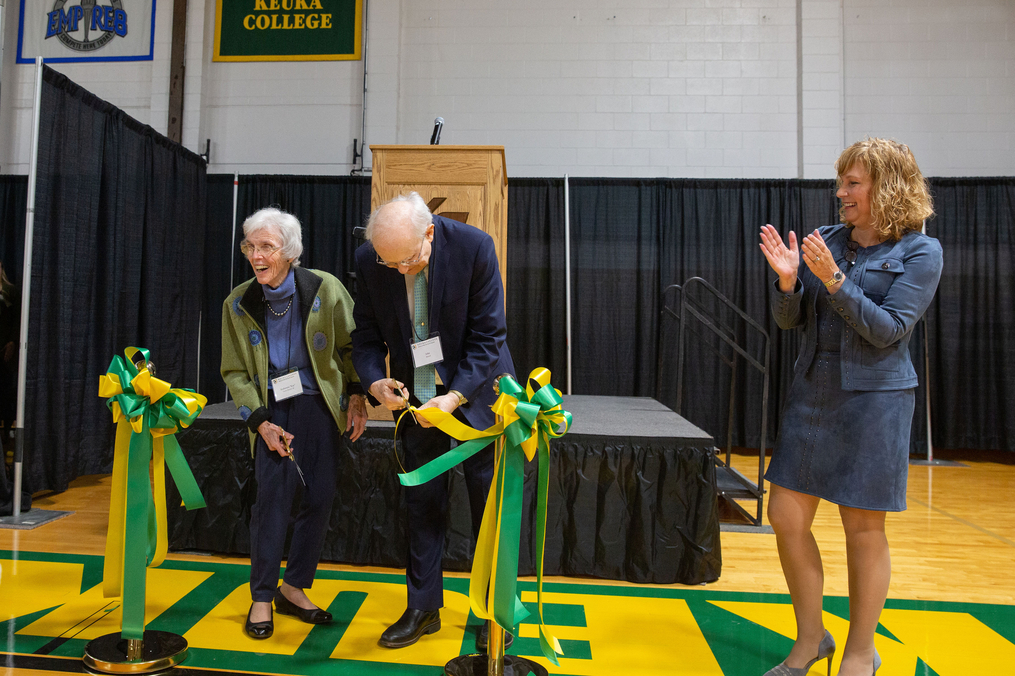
x=691, y=306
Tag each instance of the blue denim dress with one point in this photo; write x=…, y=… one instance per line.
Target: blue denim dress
x=848, y=447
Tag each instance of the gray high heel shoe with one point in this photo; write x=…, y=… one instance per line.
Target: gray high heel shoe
x=825, y=651
x=877, y=662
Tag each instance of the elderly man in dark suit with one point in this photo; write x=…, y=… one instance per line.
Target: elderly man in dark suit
x=430, y=296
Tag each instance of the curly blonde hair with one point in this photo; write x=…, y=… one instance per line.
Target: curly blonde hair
x=900, y=200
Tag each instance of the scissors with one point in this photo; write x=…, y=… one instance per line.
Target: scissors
x=292, y=457
x=405, y=405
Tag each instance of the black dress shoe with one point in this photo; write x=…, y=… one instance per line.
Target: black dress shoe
x=483, y=640
x=308, y=615
x=258, y=629
x=411, y=626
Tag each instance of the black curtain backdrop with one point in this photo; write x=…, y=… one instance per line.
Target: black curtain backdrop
x=631, y=239
x=537, y=324
x=118, y=260
x=972, y=322
x=13, y=206
x=217, y=264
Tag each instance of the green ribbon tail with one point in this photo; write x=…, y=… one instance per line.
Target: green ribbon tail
x=508, y=610
x=180, y=471
x=542, y=488
x=136, y=534
x=443, y=463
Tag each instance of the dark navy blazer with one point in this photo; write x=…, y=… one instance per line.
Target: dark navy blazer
x=466, y=310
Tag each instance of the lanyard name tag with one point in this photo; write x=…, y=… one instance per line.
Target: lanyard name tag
x=287, y=386
x=427, y=352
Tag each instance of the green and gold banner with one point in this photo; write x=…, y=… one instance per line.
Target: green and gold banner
x=288, y=30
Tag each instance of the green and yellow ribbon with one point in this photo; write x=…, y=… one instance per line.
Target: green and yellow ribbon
x=528, y=419
x=148, y=412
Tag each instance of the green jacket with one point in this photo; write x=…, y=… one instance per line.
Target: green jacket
x=326, y=308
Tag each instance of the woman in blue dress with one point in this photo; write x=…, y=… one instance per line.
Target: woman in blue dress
x=857, y=290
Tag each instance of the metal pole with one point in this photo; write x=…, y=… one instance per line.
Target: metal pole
x=363, y=118
x=495, y=646
x=26, y=284
x=567, y=273
x=200, y=314
x=926, y=371
x=926, y=384
x=232, y=245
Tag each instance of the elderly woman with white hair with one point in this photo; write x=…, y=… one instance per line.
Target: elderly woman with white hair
x=287, y=360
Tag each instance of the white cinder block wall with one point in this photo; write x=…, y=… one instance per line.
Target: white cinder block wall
x=682, y=88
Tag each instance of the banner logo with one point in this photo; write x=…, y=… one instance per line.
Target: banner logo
x=64, y=31
x=87, y=26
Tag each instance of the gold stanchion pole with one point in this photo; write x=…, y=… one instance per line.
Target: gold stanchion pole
x=495, y=651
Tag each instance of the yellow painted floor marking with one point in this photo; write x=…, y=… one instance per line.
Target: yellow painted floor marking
x=89, y=615
x=631, y=635
x=31, y=586
x=952, y=644
x=384, y=604
x=222, y=628
x=898, y=659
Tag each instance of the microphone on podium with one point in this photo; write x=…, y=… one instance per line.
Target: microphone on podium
x=435, y=138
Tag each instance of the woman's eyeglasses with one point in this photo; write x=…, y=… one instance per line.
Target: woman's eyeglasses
x=248, y=249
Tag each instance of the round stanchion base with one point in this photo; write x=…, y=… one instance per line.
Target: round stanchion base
x=476, y=665
x=161, y=650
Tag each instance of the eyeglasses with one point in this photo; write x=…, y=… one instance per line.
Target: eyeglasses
x=850, y=253
x=408, y=262
x=266, y=250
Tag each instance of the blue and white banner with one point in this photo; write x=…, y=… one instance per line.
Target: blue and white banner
x=86, y=30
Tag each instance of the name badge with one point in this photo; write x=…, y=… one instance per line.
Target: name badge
x=427, y=352
x=287, y=386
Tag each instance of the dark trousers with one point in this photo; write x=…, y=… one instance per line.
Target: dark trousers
x=427, y=507
x=315, y=447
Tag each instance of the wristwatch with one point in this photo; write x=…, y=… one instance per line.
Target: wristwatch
x=836, y=278
x=462, y=401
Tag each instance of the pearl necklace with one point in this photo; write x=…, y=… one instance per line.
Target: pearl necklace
x=282, y=313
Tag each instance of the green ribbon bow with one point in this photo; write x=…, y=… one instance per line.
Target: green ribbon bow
x=147, y=412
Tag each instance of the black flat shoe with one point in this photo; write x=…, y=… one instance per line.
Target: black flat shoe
x=308, y=615
x=258, y=629
x=483, y=640
x=411, y=626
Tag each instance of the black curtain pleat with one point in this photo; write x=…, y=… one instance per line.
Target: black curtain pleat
x=118, y=260
x=13, y=207
x=972, y=318
x=616, y=230
x=536, y=319
x=217, y=263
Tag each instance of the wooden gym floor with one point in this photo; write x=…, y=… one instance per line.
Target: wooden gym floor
x=951, y=608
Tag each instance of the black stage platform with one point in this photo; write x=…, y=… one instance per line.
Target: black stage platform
x=631, y=497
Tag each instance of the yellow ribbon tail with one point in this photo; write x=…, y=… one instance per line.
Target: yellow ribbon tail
x=484, y=558
x=112, y=567
x=550, y=638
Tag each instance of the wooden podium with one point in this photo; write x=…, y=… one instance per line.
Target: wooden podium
x=465, y=183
